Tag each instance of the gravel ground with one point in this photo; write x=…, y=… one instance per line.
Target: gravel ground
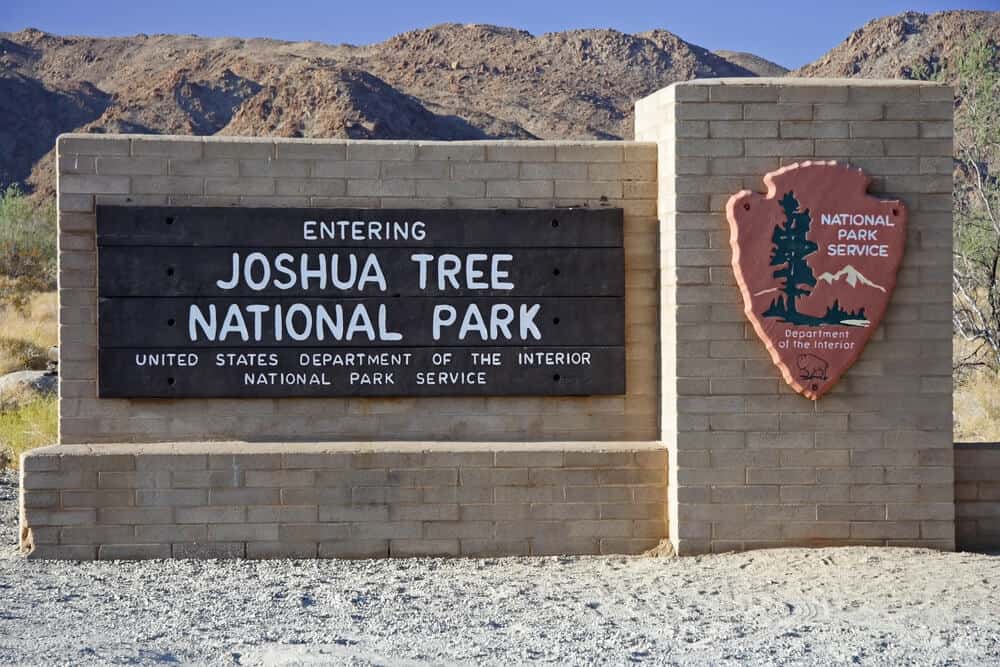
x=791, y=606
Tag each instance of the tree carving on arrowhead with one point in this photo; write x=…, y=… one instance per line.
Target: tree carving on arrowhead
x=791, y=247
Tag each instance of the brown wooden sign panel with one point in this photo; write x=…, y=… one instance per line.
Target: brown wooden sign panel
x=816, y=259
x=243, y=302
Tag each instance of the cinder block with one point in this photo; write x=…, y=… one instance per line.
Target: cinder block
x=743, y=93
x=93, y=184
x=255, y=496
x=381, y=150
x=77, y=144
x=94, y=499
x=130, y=166
x=779, y=147
x=353, y=513
x=271, y=550
x=133, y=551
x=69, y=203
x=528, y=459
x=206, y=514
x=710, y=148
x=815, y=530
x=461, y=189
x=487, y=548
x=297, y=149
x=778, y=112
x=743, y=129
x=239, y=148
x=65, y=479
x=885, y=530
x=709, y=111
x=249, y=532
x=518, y=188
x=40, y=499
x=167, y=533
x=858, y=512
x=449, y=150
x=254, y=461
x=169, y=462
x=173, y=147
x=322, y=496
x=354, y=549
x=420, y=477
x=63, y=552
x=887, y=129
x=216, y=550
x=496, y=512
x=253, y=186
x=134, y=515
x=355, y=169
x=90, y=534
x=280, y=478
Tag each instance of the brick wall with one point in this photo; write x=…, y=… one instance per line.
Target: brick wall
x=196, y=171
x=977, y=496
x=307, y=500
x=752, y=463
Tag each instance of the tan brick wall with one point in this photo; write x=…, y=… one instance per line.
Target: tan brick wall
x=195, y=171
x=977, y=496
x=266, y=500
x=756, y=465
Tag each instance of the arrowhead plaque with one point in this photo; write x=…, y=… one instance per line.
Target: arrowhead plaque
x=816, y=259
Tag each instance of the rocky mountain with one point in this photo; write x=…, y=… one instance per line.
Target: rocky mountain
x=759, y=66
x=445, y=82
x=906, y=46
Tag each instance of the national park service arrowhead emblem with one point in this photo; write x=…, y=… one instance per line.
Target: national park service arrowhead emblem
x=816, y=260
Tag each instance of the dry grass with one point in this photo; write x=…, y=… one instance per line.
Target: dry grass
x=29, y=425
x=26, y=337
x=977, y=409
x=977, y=398
x=26, y=420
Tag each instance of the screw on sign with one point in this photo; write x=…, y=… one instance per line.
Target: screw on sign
x=815, y=258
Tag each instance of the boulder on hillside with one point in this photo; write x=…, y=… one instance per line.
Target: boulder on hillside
x=20, y=384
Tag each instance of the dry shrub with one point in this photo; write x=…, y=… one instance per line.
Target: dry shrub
x=977, y=408
x=26, y=335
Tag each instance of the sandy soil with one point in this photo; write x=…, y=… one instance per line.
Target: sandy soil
x=854, y=605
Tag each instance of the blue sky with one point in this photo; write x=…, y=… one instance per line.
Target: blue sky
x=790, y=33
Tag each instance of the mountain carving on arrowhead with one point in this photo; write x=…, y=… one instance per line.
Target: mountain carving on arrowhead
x=851, y=276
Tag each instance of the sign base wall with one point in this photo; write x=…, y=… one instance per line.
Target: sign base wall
x=341, y=500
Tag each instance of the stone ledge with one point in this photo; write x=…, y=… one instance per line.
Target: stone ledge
x=213, y=139
x=403, y=446
x=988, y=446
x=817, y=82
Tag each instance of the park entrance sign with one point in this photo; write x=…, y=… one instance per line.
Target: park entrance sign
x=244, y=302
x=304, y=348
x=816, y=260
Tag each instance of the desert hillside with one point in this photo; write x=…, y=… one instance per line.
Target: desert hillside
x=446, y=82
x=909, y=45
